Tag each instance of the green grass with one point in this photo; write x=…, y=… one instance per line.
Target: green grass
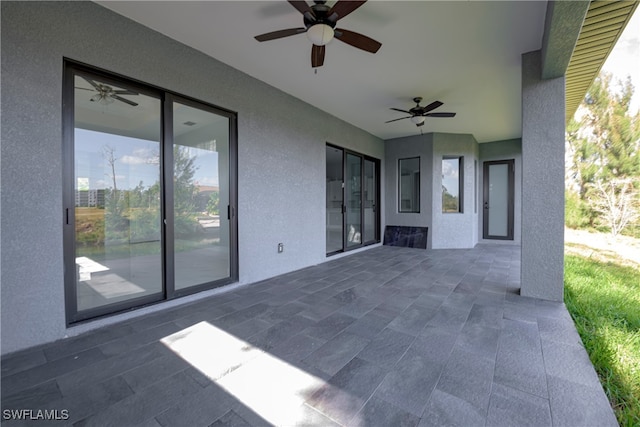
x=604, y=301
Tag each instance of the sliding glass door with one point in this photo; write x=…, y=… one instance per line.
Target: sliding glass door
x=353, y=185
x=149, y=195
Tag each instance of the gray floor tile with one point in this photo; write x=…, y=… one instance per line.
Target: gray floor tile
x=85, y=342
x=154, y=370
x=297, y=347
x=468, y=377
x=379, y=413
x=138, y=339
x=330, y=326
x=445, y=409
x=360, y=306
x=31, y=377
x=434, y=344
x=336, y=353
x=369, y=325
x=230, y=419
x=109, y=368
x=93, y=398
x=412, y=320
x=485, y=316
x=359, y=378
x=37, y=396
x=144, y=405
x=564, y=332
x=387, y=348
x=510, y=407
x=281, y=331
x=22, y=361
x=519, y=335
x=449, y=318
x=480, y=340
x=438, y=334
x=574, y=405
x=521, y=370
x=569, y=362
x=409, y=385
x=201, y=408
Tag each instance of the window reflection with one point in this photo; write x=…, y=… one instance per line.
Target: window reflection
x=409, y=183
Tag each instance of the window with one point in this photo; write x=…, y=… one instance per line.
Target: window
x=409, y=185
x=150, y=194
x=452, y=189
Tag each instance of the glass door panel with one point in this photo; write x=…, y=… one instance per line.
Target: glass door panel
x=370, y=201
x=498, y=200
x=201, y=229
x=118, y=249
x=334, y=199
x=353, y=200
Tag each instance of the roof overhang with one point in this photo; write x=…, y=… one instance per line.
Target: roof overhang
x=603, y=24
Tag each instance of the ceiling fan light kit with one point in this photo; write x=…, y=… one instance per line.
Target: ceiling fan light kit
x=320, y=26
x=320, y=34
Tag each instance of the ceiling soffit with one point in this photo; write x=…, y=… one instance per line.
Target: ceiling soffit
x=602, y=27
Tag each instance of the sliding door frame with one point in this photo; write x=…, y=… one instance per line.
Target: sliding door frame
x=168, y=292
x=376, y=163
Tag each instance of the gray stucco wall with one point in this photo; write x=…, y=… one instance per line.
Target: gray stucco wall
x=542, y=182
x=403, y=148
x=455, y=230
x=502, y=150
x=281, y=154
x=459, y=230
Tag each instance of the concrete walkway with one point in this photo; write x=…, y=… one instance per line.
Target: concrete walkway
x=386, y=337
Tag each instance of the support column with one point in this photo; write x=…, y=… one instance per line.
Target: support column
x=543, y=116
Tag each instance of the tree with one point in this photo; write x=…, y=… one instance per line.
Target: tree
x=617, y=201
x=184, y=191
x=213, y=205
x=604, y=148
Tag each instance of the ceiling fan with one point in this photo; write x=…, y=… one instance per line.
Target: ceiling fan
x=106, y=94
x=320, y=26
x=418, y=113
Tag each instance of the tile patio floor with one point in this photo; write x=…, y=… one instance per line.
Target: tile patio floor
x=386, y=337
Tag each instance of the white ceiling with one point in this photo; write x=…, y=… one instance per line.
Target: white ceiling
x=463, y=53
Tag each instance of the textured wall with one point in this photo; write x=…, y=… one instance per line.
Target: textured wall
x=503, y=150
x=542, y=182
x=281, y=154
x=455, y=230
x=403, y=148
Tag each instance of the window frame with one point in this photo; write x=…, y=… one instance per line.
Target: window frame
x=415, y=192
x=460, y=185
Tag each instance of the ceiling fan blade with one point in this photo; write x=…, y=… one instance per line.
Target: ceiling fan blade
x=280, y=34
x=357, y=40
x=125, y=92
x=342, y=8
x=439, y=115
x=84, y=88
x=402, y=111
x=317, y=56
x=401, y=118
x=92, y=83
x=302, y=6
x=432, y=106
x=119, y=98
